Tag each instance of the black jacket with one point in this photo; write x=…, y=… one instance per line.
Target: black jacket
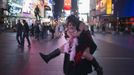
x=26, y=28
x=19, y=28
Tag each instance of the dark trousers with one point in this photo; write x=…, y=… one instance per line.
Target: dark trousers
x=37, y=16
x=19, y=38
x=42, y=34
x=25, y=35
x=68, y=67
x=37, y=35
x=83, y=68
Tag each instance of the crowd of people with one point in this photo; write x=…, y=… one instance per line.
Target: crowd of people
x=78, y=49
x=37, y=30
x=42, y=30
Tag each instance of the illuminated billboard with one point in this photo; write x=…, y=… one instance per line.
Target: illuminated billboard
x=14, y=7
x=19, y=2
x=104, y=7
x=101, y=7
x=109, y=7
x=26, y=8
x=67, y=4
x=29, y=6
x=83, y=6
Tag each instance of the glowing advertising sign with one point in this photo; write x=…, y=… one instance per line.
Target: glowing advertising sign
x=101, y=6
x=15, y=7
x=19, y=2
x=109, y=7
x=27, y=6
x=83, y=6
x=67, y=5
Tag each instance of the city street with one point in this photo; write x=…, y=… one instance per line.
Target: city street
x=115, y=53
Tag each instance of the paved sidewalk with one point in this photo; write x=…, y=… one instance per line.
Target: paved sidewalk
x=115, y=58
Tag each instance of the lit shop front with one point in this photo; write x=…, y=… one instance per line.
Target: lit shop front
x=103, y=12
x=24, y=9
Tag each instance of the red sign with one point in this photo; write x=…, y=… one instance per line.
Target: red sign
x=67, y=5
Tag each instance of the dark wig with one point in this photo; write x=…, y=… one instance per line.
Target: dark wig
x=74, y=20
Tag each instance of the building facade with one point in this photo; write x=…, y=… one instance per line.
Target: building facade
x=12, y=10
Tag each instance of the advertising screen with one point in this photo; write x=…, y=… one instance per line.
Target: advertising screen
x=27, y=6
x=83, y=6
x=101, y=7
x=15, y=7
x=19, y=2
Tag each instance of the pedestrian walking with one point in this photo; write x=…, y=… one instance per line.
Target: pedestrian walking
x=52, y=31
x=32, y=30
x=25, y=33
x=37, y=31
x=92, y=29
x=19, y=29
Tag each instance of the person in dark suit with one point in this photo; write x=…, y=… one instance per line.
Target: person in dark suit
x=25, y=33
x=19, y=33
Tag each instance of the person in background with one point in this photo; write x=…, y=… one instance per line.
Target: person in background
x=52, y=30
x=19, y=29
x=25, y=33
x=37, y=12
x=32, y=30
x=61, y=29
x=37, y=30
x=92, y=29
